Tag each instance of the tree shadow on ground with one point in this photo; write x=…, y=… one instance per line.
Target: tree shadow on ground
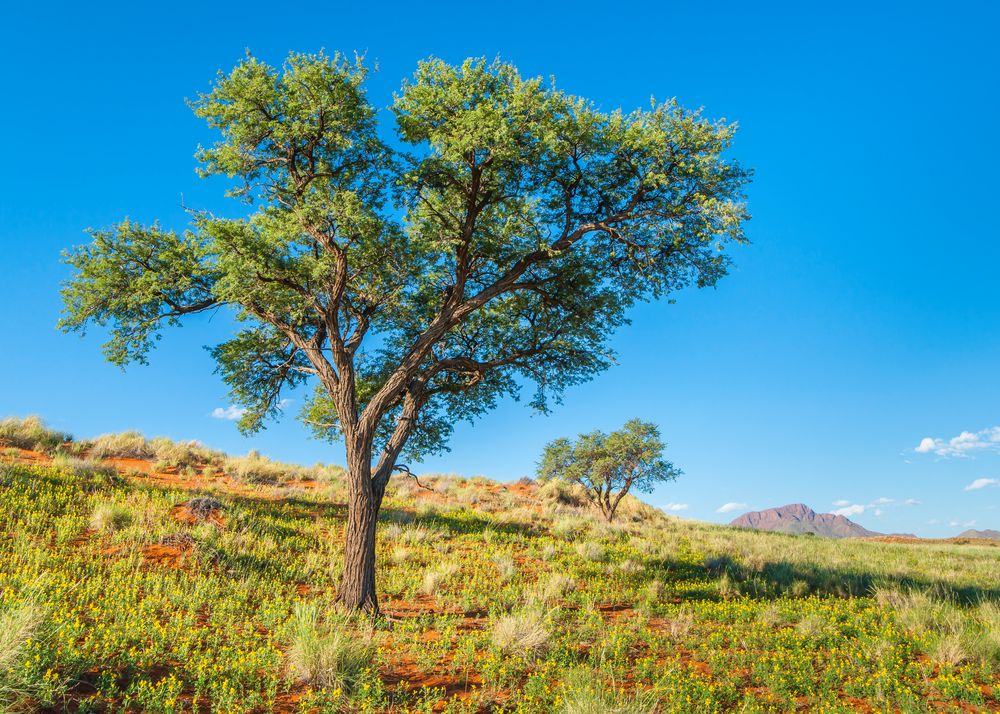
x=779, y=578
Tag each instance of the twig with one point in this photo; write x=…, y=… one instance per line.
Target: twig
x=403, y=468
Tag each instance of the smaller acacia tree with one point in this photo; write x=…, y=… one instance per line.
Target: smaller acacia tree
x=608, y=466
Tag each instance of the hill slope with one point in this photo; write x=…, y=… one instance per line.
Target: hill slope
x=799, y=518
x=186, y=580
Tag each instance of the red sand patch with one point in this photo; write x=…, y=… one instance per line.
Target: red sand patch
x=182, y=514
x=168, y=556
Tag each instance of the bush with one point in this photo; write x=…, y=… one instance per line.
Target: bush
x=435, y=578
x=557, y=586
x=591, y=551
x=254, y=468
x=584, y=693
x=30, y=433
x=948, y=633
x=126, y=445
x=203, y=507
x=520, y=633
x=560, y=493
x=85, y=468
x=109, y=517
x=17, y=628
x=506, y=567
x=569, y=528
x=183, y=454
x=326, y=655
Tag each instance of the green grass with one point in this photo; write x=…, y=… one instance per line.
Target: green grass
x=494, y=605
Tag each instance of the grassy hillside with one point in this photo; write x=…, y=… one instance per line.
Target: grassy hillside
x=157, y=577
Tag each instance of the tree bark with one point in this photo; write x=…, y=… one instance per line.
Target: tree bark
x=357, y=582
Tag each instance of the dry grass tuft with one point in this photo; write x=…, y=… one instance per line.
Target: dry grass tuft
x=520, y=633
x=30, y=433
x=126, y=445
x=109, y=517
x=327, y=654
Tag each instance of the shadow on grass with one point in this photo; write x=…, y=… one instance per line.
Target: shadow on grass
x=774, y=579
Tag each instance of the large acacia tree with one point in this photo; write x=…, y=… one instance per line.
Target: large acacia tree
x=497, y=243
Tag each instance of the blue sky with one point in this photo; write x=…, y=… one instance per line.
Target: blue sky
x=862, y=320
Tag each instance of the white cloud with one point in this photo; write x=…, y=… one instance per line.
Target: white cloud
x=730, y=507
x=232, y=412
x=981, y=483
x=963, y=444
x=966, y=524
x=676, y=506
x=846, y=508
x=282, y=403
x=852, y=510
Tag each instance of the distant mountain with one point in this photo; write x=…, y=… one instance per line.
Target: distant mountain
x=988, y=534
x=799, y=518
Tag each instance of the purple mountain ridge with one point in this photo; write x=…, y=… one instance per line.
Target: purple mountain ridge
x=988, y=533
x=799, y=518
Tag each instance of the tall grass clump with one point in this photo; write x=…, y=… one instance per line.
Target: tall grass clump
x=85, y=468
x=30, y=433
x=109, y=517
x=327, y=654
x=126, y=445
x=184, y=454
x=953, y=635
x=258, y=469
x=584, y=693
x=17, y=627
x=520, y=633
x=435, y=577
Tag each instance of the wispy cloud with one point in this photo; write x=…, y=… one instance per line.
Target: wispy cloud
x=676, y=506
x=964, y=524
x=855, y=509
x=730, y=507
x=847, y=508
x=232, y=412
x=963, y=444
x=981, y=483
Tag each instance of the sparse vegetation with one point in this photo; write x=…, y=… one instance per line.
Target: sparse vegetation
x=533, y=608
x=30, y=433
x=109, y=517
x=126, y=445
x=328, y=654
x=19, y=625
x=520, y=633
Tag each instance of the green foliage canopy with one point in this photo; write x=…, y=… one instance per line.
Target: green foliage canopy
x=500, y=245
x=608, y=466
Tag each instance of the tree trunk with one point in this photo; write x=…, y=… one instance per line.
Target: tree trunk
x=357, y=582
